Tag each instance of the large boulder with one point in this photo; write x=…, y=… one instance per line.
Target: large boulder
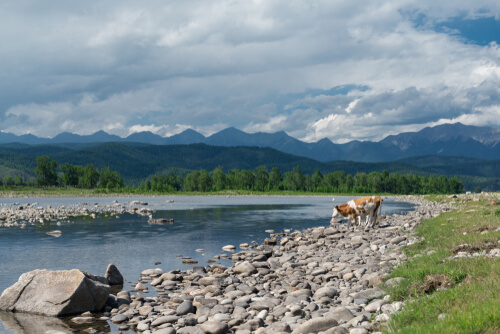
x=56, y=293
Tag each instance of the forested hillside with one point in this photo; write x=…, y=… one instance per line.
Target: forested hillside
x=137, y=162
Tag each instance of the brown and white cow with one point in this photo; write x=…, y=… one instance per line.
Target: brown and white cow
x=355, y=209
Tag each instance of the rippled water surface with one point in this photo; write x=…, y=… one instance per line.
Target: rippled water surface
x=133, y=245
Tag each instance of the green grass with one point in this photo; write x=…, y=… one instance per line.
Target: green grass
x=25, y=191
x=471, y=298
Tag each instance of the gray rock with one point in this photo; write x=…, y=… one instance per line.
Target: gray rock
x=369, y=294
x=360, y=301
x=222, y=317
x=358, y=330
x=168, y=330
x=145, y=310
x=119, y=318
x=315, y=325
x=83, y=320
x=164, y=320
x=318, y=272
x=341, y=314
x=190, y=321
x=124, y=295
x=278, y=327
x=56, y=293
x=388, y=309
x=397, y=240
x=113, y=275
x=152, y=272
x=189, y=330
x=214, y=327
x=375, y=305
x=337, y=330
x=301, y=292
x=245, y=268
x=142, y=326
x=382, y=317
x=326, y=291
x=394, y=281
x=253, y=324
x=185, y=307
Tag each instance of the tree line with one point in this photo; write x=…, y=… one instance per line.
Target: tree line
x=88, y=176
x=336, y=182
x=261, y=179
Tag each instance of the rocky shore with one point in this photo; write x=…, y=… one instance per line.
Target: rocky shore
x=23, y=214
x=320, y=280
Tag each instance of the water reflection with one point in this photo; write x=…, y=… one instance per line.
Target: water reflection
x=28, y=323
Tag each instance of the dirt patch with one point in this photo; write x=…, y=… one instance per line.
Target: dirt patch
x=487, y=245
x=484, y=228
x=434, y=282
x=493, y=203
x=466, y=248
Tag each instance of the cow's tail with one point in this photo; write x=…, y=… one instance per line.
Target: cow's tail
x=380, y=207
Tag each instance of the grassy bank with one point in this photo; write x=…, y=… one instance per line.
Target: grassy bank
x=452, y=295
x=24, y=191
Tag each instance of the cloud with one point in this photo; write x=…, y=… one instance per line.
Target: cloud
x=125, y=66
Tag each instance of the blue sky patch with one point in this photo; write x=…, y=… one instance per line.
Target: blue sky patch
x=480, y=31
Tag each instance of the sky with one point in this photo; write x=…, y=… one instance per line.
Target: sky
x=343, y=70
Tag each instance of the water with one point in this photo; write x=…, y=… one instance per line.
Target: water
x=133, y=245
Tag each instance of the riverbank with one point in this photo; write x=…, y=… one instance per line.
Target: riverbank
x=318, y=280
x=33, y=192
x=324, y=279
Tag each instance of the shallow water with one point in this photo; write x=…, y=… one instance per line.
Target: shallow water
x=133, y=245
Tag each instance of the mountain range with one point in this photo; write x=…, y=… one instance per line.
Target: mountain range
x=443, y=140
x=136, y=162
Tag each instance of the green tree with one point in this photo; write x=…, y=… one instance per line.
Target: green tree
x=191, y=181
x=261, y=178
x=317, y=180
x=333, y=181
x=110, y=179
x=219, y=180
x=9, y=181
x=245, y=180
x=45, y=171
x=295, y=180
x=204, y=181
x=90, y=176
x=18, y=181
x=275, y=179
x=71, y=175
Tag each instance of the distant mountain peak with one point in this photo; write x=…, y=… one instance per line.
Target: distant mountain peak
x=454, y=139
x=325, y=141
x=100, y=132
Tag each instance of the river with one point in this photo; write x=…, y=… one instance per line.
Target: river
x=133, y=245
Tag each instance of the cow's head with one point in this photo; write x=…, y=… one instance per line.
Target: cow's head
x=336, y=212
